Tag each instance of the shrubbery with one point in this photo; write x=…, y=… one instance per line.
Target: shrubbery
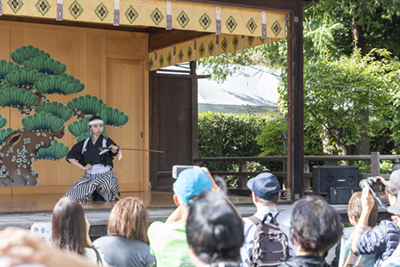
x=231, y=135
x=239, y=135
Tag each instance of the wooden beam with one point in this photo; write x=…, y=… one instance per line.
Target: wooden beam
x=295, y=102
x=160, y=38
x=273, y=5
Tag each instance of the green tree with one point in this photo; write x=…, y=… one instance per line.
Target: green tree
x=367, y=23
x=338, y=94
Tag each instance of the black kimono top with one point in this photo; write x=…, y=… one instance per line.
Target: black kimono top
x=92, y=153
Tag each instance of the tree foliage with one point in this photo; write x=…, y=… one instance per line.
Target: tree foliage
x=350, y=94
x=273, y=138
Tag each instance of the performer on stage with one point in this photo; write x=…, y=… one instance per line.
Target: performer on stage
x=99, y=180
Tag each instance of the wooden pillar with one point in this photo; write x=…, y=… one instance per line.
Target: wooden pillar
x=195, y=112
x=295, y=101
x=375, y=164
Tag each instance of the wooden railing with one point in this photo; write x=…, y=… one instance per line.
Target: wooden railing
x=244, y=175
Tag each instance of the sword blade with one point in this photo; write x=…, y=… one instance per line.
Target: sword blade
x=136, y=149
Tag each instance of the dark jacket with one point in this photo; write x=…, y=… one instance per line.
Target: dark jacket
x=305, y=261
x=382, y=241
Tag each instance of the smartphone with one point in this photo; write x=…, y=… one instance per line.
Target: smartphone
x=176, y=169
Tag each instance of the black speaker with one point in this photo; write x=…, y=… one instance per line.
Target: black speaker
x=335, y=183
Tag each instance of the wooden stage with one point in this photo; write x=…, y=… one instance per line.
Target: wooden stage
x=45, y=203
x=24, y=210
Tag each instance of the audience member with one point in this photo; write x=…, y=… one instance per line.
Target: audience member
x=316, y=227
x=394, y=260
x=384, y=238
x=168, y=241
x=70, y=230
x=265, y=190
x=126, y=242
x=20, y=246
x=214, y=231
x=347, y=258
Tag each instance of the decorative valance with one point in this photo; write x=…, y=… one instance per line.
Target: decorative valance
x=230, y=28
x=207, y=46
x=154, y=13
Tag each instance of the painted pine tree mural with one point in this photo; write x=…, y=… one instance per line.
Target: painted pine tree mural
x=26, y=85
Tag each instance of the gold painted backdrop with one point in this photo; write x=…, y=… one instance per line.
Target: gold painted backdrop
x=114, y=67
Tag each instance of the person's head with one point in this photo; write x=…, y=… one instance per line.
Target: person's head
x=96, y=125
x=69, y=226
x=315, y=225
x=355, y=209
x=265, y=189
x=393, y=186
x=189, y=184
x=214, y=230
x=129, y=218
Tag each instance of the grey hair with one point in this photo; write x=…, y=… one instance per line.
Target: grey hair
x=393, y=191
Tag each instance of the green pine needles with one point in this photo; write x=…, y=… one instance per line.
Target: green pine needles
x=57, y=109
x=27, y=52
x=6, y=68
x=90, y=105
x=42, y=121
x=63, y=84
x=79, y=127
x=16, y=98
x=24, y=77
x=45, y=65
x=114, y=117
x=54, y=152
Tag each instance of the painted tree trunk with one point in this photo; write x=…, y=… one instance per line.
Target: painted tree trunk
x=19, y=152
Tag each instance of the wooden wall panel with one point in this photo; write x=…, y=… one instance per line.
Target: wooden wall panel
x=112, y=66
x=124, y=80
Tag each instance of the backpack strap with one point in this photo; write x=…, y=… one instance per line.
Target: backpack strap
x=255, y=220
x=274, y=220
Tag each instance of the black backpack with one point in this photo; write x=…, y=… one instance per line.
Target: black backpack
x=270, y=246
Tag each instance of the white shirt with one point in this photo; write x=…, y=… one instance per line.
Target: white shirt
x=249, y=232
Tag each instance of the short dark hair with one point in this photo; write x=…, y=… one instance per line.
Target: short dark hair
x=274, y=197
x=214, y=229
x=69, y=229
x=316, y=224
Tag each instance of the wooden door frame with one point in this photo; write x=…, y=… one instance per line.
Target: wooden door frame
x=153, y=118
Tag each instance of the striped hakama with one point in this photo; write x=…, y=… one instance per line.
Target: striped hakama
x=106, y=185
x=99, y=178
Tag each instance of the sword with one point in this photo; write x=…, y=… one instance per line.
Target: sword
x=135, y=149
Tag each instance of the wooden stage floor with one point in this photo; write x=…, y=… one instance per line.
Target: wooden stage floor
x=45, y=203
x=24, y=210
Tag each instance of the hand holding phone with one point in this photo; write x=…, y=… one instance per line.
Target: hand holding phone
x=176, y=169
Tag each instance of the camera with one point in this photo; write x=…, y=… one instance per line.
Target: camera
x=176, y=169
x=374, y=183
